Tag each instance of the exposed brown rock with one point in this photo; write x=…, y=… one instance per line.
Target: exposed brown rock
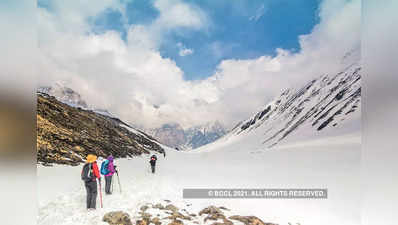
x=144, y=208
x=225, y=222
x=156, y=221
x=176, y=222
x=171, y=208
x=176, y=215
x=249, y=220
x=145, y=215
x=213, y=213
x=142, y=222
x=210, y=210
x=117, y=218
x=65, y=134
x=158, y=206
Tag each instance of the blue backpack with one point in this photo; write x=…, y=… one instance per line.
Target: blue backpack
x=104, y=167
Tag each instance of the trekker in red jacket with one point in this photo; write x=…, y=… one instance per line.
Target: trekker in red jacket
x=90, y=173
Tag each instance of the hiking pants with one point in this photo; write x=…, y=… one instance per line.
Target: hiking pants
x=91, y=188
x=153, y=168
x=108, y=183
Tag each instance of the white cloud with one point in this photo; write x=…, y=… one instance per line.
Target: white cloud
x=183, y=51
x=134, y=81
x=175, y=13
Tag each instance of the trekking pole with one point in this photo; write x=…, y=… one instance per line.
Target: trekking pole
x=118, y=180
x=99, y=181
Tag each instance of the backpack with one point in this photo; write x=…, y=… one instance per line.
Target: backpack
x=87, y=172
x=104, y=167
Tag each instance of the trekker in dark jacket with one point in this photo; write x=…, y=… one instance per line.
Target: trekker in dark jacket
x=90, y=174
x=153, y=162
x=108, y=176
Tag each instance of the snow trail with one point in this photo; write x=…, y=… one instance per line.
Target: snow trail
x=230, y=165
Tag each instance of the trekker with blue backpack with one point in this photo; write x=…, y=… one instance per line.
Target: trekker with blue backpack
x=108, y=169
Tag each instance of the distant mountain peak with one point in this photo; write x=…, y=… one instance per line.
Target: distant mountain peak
x=174, y=135
x=64, y=94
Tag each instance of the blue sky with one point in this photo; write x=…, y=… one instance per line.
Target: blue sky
x=237, y=30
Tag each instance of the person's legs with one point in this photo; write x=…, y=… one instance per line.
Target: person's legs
x=88, y=197
x=153, y=168
x=108, y=182
x=93, y=193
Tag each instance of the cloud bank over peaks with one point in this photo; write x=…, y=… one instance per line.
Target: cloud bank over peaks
x=132, y=79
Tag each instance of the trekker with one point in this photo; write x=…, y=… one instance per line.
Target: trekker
x=89, y=175
x=153, y=162
x=108, y=169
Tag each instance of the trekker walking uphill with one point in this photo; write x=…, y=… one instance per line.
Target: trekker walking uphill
x=108, y=169
x=90, y=174
x=153, y=162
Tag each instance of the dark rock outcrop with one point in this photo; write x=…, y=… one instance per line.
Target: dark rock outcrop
x=65, y=134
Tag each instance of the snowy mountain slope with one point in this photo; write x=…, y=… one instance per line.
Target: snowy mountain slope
x=329, y=102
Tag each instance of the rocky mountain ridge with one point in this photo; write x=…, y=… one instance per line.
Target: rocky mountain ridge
x=64, y=94
x=66, y=134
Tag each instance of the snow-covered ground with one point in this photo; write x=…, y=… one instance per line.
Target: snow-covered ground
x=331, y=163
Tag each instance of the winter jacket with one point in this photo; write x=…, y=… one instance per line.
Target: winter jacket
x=96, y=170
x=111, y=167
x=153, y=160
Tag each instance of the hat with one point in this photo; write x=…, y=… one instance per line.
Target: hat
x=91, y=158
